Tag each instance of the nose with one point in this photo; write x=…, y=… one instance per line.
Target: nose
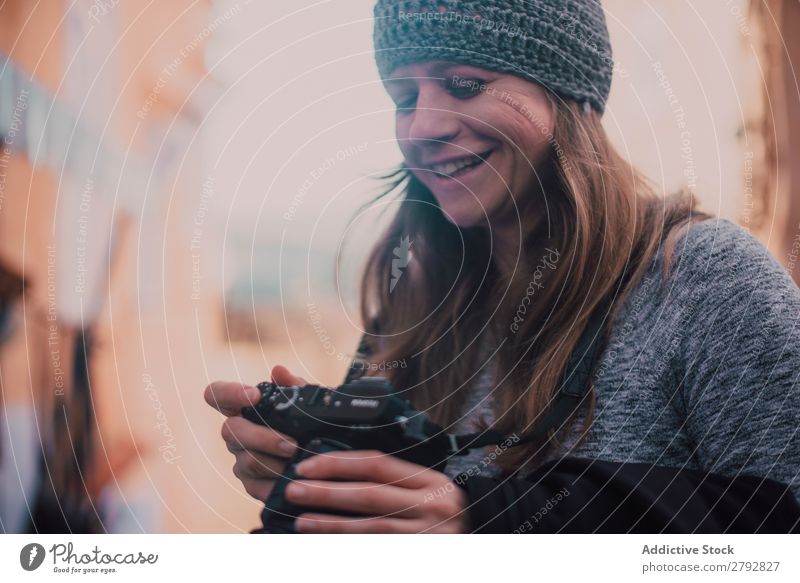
x=433, y=120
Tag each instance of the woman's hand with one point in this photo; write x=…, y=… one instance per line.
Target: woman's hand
x=397, y=496
x=261, y=453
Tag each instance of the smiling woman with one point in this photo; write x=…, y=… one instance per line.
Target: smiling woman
x=548, y=275
x=471, y=136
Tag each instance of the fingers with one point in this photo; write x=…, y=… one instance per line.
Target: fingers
x=229, y=398
x=332, y=524
x=257, y=466
x=360, y=497
x=282, y=376
x=260, y=455
x=367, y=466
x=258, y=489
x=241, y=434
x=261, y=452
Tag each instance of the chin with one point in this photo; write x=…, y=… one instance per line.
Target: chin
x=472, y=212
x=464, y=218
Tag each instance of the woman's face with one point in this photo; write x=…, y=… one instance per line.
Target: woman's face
x=472, y=136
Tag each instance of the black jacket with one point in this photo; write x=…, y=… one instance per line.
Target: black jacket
x=576, y=495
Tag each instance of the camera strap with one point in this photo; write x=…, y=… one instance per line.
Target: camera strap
x=574, y=389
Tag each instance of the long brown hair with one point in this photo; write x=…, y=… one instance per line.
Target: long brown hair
x=603, y=222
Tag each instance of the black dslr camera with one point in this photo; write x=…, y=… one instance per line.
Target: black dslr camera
x=361, y=414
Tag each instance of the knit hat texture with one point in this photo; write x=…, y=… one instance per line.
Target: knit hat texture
x=560, y=44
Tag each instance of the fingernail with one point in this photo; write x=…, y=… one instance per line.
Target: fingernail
x=305, y=525
x=286, y=447
x=304, y=466
x=295, y=490
x=252, y=394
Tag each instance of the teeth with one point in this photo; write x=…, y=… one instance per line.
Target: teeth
x=452, y=167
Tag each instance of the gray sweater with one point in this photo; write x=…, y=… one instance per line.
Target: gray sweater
x=701, y=373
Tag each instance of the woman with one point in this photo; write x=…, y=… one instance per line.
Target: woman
x=530, y=240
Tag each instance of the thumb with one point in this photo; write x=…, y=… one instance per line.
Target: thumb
x=282, y=376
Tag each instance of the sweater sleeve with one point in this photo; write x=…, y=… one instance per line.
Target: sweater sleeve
x=740, y=354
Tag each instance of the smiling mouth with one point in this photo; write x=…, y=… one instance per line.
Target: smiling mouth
x=460, y=167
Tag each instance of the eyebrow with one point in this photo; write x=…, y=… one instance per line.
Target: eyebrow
x=396, y=81
x=437, y=69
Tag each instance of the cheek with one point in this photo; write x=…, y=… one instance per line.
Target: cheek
x=529, y=157
x=525, y=139
x=526, y=120
x=532, y=135
x=401, y=124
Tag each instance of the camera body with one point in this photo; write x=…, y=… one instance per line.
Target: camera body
x=364, y=413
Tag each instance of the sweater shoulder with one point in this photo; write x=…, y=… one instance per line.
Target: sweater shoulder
x=714, y=264
x=719, y=246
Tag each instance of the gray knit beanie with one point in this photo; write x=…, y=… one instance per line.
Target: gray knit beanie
x=560, y=44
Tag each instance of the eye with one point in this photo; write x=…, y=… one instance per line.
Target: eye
x=464, y=87
x=405, y=103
